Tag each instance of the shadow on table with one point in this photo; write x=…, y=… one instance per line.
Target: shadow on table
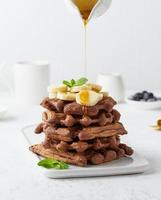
x=8, y=118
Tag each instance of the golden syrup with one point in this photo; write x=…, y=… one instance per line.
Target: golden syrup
x=84, y=97
x=85, y=7
x=85, y=51
x=159, y=123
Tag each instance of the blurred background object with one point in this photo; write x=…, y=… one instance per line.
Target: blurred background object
x=31, y=80
x=6, y=83
x=6, y=78
x=3, y=111
x=24, y=82
x=113, y=84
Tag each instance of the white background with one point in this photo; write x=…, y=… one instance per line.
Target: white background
x=127, y=39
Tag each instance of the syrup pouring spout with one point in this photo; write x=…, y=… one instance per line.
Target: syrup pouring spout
x=89, y=9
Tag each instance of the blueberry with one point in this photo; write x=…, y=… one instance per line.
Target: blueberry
x=151, y=95
x=155, y=98
x=144, y=92
x=139, y=95
x=136, y=97
x=145, y=96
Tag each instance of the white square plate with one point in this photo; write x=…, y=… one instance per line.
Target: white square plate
x=127, y=165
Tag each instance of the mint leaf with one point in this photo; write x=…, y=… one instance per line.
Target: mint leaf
x=51, y=163
x=67, y=83
x=64, y=165
x=47, y=163
x=81, y=81
x=73, y=82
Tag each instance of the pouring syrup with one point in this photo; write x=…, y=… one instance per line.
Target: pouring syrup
x=85, y=8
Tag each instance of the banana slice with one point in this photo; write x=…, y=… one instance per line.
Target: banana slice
x=105, y=94
x=62, y=88
x=80, y=88
x=52, y=95
x=95, y=87
x=50, y=88
x=88, y=97
x=66, y=96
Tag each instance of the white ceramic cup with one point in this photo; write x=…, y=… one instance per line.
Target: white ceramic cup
x=113, y=84
x=31, y=80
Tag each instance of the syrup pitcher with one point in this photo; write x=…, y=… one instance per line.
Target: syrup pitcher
x=89, y=9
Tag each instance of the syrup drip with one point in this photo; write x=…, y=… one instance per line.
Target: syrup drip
x=85, y=110
x=85, y=7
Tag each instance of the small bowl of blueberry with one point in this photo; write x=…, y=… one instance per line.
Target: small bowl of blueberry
x=144, y=100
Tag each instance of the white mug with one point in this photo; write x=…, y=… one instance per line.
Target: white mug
x=113, y=84
x=31, y=80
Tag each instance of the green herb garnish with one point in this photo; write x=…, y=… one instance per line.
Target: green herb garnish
x=78, y=82
x=52, y=163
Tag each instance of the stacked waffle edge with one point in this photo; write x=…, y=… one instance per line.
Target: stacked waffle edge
x=81, y=135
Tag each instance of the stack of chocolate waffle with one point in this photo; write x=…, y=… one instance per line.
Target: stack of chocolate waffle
x=81, y=135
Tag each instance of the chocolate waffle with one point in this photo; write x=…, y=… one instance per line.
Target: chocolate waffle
x=73, y=108
x=81, y=135
x=81, y=146
x=102, y=119
x=77, y=132
x=82, y=159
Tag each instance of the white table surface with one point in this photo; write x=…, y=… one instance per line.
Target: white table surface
x=21, y=178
